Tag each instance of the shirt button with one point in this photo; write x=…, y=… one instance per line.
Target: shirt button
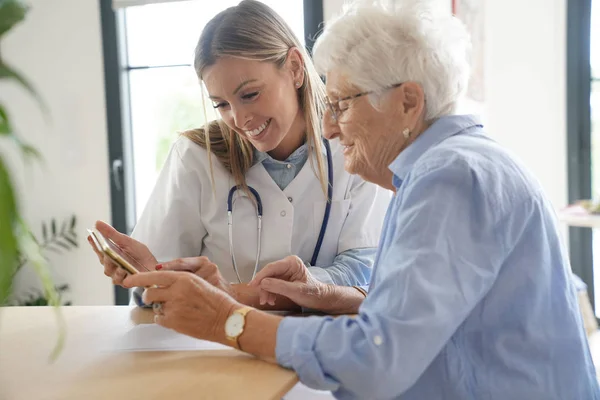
x=377, y=340
x=289, y=166
x=290, y=199
x=282, y=213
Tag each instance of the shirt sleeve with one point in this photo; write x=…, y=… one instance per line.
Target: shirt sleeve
x=136, y=298
x=439, y=256
x=351, y=268
x=362, y=226
x=171, y=225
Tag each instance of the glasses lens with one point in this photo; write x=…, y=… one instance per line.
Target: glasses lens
x=333, y=113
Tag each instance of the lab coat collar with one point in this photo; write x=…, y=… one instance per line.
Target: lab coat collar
x=440, y=130
x=260, y=156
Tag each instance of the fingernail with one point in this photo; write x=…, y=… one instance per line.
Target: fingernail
x=265, y=282
x=159, y=267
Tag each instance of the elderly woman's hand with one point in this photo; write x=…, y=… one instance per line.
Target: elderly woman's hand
x=130, y=246
x=289, y=277
x=202, y=267
x=188, y=304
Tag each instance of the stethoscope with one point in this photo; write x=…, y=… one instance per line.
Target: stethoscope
x=259, y=213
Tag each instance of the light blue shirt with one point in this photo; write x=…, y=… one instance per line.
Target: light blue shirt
x=351, y=267
x=471, y=297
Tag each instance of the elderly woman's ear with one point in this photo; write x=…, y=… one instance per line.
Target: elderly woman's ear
x=412, y=101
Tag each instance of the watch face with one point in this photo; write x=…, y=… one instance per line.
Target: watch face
x=234, y=325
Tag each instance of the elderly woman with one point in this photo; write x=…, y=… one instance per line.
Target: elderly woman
x=470, y=296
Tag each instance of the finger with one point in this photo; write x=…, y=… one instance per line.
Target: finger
x=161, y=320
x=109, y=267
x=263, y=296
x=291, y=290
x=271, y=299
x=165, y=320
x=147, y=279
x=273, y=270
x=190, y=264
x=111, y=233
x=119, y=275
x=157, y=295
x=98, y=254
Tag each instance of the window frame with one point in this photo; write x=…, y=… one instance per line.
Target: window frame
x=579, y=147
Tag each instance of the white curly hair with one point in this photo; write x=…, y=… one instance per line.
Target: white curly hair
x=377, y=44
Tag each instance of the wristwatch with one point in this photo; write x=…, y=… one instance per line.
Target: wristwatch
x=234, y=325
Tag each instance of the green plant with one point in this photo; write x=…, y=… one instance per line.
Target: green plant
x=15, y=236
x=37, y=298
x=56, y=241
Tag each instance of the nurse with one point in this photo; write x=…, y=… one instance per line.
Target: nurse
x=270, y=100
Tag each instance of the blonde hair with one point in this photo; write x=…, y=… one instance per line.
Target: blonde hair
x=253, y=31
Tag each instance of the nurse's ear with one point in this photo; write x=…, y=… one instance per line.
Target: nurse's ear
x=294, y=65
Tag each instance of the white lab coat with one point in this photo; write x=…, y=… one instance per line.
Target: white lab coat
x=184, y=217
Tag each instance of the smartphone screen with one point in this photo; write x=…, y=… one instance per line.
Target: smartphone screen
x=118, y=255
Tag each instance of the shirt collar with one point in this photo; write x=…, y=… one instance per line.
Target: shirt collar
x=440, y=130
x=260, y=157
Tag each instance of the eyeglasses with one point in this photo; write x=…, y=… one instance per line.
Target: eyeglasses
x=340, y=105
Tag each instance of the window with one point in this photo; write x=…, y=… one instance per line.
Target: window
x=595, y=131
x=583, y=133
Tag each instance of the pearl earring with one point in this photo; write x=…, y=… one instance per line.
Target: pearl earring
x=406, y=133
x=297, y=84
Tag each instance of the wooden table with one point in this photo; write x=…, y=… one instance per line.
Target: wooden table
x=88, y=369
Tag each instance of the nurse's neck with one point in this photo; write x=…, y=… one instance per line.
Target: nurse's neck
x=295, y=138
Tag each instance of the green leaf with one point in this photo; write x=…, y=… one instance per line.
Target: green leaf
x=29, y=151
x=53, y=227
x=63, y=287
x=6, y=130
x=5, y=127
x=7, y=72
x=61, y=244
x=8, y=240
x=50, y=247
x=44, y=232
x=73, y=242
x=35, y=239
x=42, y=270
x=73, y=222
x=11, y=13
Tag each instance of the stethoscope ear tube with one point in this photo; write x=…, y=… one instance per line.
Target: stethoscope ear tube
x=259, y=214
x=315, y=255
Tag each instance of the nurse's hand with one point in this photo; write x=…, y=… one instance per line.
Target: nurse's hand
x=188, y=304
x=289, y=277
x=202, y=267
x=129, y=245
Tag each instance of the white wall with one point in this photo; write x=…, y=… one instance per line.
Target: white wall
x=59, y=48
x=525, y=84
